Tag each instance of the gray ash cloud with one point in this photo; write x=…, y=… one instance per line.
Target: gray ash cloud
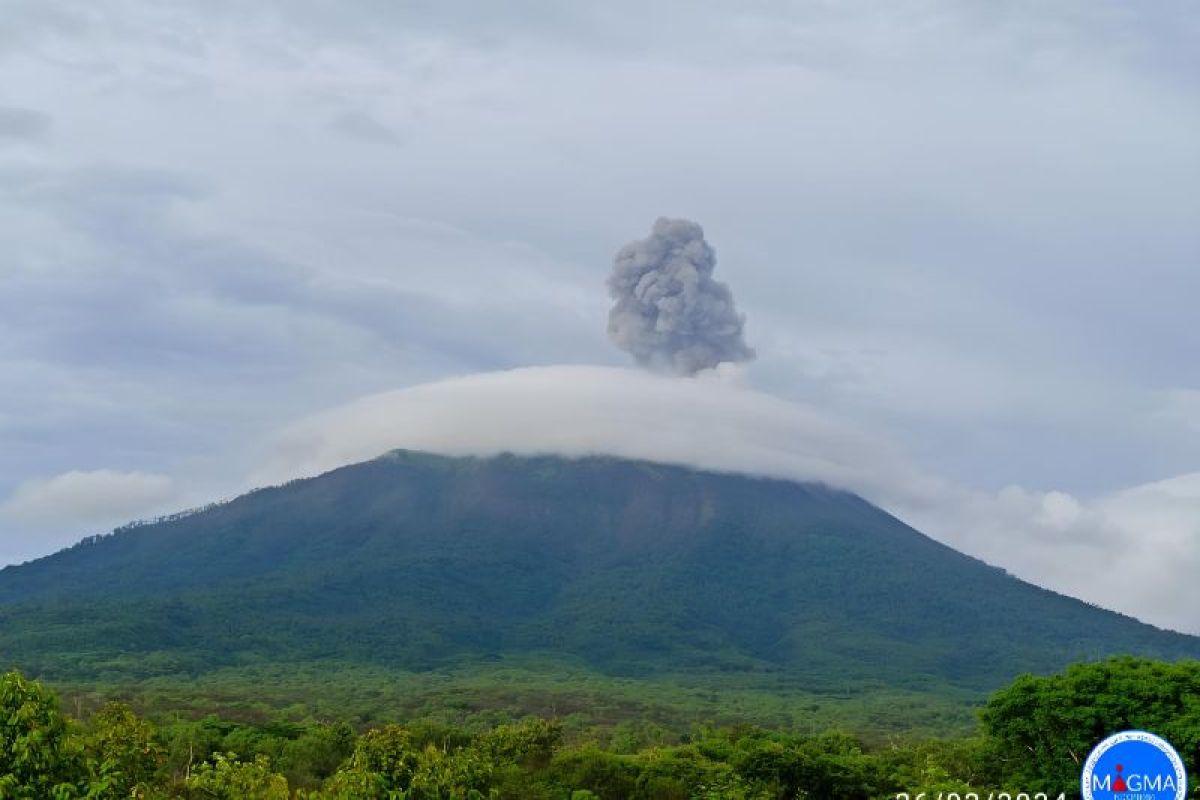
x=670, y=313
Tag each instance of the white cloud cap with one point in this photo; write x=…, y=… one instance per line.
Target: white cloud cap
x=710, y=421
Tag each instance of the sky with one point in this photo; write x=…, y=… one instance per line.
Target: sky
x=245, y=242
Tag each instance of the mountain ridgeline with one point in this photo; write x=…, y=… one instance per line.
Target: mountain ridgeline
x=418, y=562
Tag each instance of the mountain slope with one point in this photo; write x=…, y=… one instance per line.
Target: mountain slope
x=417, y=561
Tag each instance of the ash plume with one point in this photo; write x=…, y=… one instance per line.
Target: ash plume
x=669, y=313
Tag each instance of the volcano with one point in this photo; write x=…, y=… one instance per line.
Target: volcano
x=420, y=561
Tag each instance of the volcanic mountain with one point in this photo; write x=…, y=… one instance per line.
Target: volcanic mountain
x=420, y=561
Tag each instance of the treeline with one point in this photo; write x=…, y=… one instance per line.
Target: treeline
x=1033, y=737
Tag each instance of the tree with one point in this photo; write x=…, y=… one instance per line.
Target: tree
x=123, y=755
x=832, y=765
x=605, y=775
x=317, y=754
x=37, y=758
x=382, y=766
x=1042, y=728
x=530, y=743
x=226, y=778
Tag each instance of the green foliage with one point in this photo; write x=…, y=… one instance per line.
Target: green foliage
x=384, y=759
x=124, y=756
x=1042, y=728
x=314, y=755
x=226, y=778
x=943, y=765
x=606, y=776
x=387, y=763
x=1034, y=734
x=828, y=765
x=38, y=759
x=530, y=743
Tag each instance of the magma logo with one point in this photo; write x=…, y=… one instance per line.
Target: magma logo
x=1134, y=765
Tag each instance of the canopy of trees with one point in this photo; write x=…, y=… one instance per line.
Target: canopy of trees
x=1034, y=735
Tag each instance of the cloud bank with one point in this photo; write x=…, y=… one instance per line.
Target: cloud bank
x=711, y=421
x=56, y=511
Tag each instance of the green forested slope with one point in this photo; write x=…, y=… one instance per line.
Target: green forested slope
x=417, y=561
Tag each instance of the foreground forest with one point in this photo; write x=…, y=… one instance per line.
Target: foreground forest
x=1031, y=737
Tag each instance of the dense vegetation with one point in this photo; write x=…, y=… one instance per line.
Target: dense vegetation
x=581, y=699
x=424, y=627
x=1032, y=736
x=415, y=563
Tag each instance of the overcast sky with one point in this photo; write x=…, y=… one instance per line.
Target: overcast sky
x=964, y=235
